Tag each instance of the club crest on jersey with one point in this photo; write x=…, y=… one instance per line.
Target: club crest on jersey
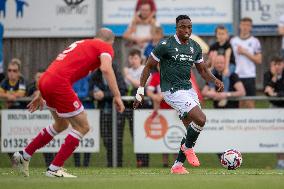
x=76, y=104
x=191, y=50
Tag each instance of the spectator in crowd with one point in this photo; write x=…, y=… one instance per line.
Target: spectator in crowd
x=81, y=87
x=154, y=92
x=157, y=34
x=223, y=47
x=236, y=88
x=274, y=86
x=132, y=78
x=32, y=90
x=281, y=32
x=247, y=52
x=138, y=32
x=12, y=88
x=2, y=75
x=101, y=92
x=151, y=16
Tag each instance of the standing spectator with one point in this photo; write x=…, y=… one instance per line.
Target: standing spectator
x=274, y=86
x=32, y=90
x=155, y=93
x=138, y=32
x=281, y=32
x=132, y=79
x=81, y=88
x=12, y=88
x=247, y=51
x=137, y=16
x=236, y=88
x=103, y=95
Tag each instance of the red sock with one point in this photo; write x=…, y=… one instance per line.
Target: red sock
x=66, y=150
x=43, y=138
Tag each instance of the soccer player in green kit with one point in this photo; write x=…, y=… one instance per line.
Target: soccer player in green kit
x=176, y=55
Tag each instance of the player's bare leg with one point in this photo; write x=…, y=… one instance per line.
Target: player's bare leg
x=22, y=158
x=80, y=127
x=194, y=122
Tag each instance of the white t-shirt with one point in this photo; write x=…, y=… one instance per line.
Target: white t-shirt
x=245, y=68
x=281, y=24
x=135, y=74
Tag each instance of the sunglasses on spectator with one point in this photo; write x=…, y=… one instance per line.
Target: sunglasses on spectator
x=13, y=70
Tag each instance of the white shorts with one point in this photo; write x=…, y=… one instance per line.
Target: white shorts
x=182, y=101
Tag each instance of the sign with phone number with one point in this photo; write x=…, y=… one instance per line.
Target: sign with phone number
x=19, y=127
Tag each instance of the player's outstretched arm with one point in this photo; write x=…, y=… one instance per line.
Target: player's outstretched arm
x=106, y=68
x=151, y=63
x=208, y=76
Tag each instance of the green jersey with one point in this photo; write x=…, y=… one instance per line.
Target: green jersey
x=176, y=60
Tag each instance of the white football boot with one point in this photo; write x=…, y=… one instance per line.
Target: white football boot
x=21, y=163
x=59, y=173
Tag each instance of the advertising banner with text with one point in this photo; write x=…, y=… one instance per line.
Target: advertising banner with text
x=205, y=15
x=257, y=130
x=48, y=18
x=265, y=14
x=19, y=127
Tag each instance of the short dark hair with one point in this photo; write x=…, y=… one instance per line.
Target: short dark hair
x=246, y=19
x=182, y=17
x=134, y=52
x=277, y=59
x=220, y=27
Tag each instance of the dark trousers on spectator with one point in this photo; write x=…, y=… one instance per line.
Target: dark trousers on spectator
x=86, y=161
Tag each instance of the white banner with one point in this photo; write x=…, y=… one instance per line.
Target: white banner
x=18, y=127
x=257, y=130
x=48, y=18
x=263, y=12
x=117, y=14
x=121, y=11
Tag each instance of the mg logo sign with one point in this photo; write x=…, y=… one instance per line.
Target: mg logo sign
x=258, y=6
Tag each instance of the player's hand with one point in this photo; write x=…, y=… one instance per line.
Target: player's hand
x=36, y=103
x=138, y=102
x=119, y=104
x=220, y=85
x=139, y=97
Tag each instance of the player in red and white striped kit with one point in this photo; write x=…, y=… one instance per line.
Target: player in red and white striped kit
x=55, y=86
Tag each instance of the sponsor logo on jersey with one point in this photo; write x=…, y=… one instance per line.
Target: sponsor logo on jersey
x=183, y=57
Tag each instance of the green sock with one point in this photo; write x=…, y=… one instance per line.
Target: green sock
x=181, y=157
x=192, y=134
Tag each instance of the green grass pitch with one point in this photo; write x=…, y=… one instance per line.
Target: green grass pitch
x=157, y=178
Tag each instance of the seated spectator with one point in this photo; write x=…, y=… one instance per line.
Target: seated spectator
x=138, y=32
x=274, y=81
x=12, y=88
x=81, y=88
x=32, y=90
x=101, y=92
x=274, y=86
x=236, y=88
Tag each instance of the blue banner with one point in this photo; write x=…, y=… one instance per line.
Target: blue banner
x=1, y=47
